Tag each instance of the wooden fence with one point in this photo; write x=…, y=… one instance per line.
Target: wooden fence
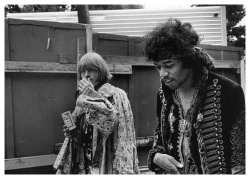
x=40, y=82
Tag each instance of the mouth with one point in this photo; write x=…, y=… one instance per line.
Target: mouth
x=167, y=80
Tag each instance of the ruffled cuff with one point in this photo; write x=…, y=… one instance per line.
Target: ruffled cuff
x=151, y=165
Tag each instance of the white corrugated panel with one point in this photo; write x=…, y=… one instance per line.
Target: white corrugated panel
x=209, y=22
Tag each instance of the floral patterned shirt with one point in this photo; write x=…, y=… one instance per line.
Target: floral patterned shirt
x=109, y=145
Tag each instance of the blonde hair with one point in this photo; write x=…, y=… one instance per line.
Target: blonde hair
x=93, y=61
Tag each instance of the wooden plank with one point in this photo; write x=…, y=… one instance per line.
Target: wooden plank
x=131, y=78
x=131, y=60
x=41, y=67
x=131, y=92
x=39, y=161
x=138, y=39
x=47, y=67
x=227, y=64
x=231, y=55
x=142, y=61
x=9, y=119
x=28, y=162
x=222, y=55
x=220, y=47
x=113, y=37
x=117, y=64
x=89, y=43
x=131, y=48
x=120, y=69
x=144, y=170
x=66, y=58
x=81, y=50
x=95, y=42
x=81, y=47
x=47, y=24
x=7, y=44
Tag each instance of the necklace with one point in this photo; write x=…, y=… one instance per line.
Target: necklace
x=183, y=112
x=184, y=128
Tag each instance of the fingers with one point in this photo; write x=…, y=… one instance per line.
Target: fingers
x=175, y=162
x=167, y=163
x=65, y=128
x=66, y=132
x=176, y=165
x=83, y=84
x=169, y=167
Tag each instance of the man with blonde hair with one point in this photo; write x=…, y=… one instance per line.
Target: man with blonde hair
x=104, y=141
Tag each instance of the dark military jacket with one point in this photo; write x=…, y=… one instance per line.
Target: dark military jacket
x=217, y=134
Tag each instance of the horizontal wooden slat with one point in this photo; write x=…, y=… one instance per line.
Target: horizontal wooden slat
x=28, y=162
x=220, y=48
x=120, y=69
x=47, y=67
x=227, y=64
x=116, y=64
x=124, y=60
x=35, y=22
x=46, y=160
x=144, y=170
x=142, y=61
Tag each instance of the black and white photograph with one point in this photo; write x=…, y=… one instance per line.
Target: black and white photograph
x=131, y=88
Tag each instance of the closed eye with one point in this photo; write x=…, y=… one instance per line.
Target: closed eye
x=158, y=67
x=168, y=66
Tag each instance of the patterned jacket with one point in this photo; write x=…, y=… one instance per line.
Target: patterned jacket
x=105, y=142
x=217, y=141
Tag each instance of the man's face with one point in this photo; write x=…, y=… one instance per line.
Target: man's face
x=91, y=75
x=172, y=72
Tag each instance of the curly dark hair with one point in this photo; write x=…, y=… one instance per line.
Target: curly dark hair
x=177, y=41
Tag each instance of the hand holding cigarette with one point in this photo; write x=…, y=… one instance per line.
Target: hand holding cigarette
x=84, y=84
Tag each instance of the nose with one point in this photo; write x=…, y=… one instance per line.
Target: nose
x=86, y=74
x=163, y=72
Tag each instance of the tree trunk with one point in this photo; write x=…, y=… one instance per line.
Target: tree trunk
x=83, y=14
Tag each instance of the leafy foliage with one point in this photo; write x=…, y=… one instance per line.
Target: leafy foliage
x=14, y=8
